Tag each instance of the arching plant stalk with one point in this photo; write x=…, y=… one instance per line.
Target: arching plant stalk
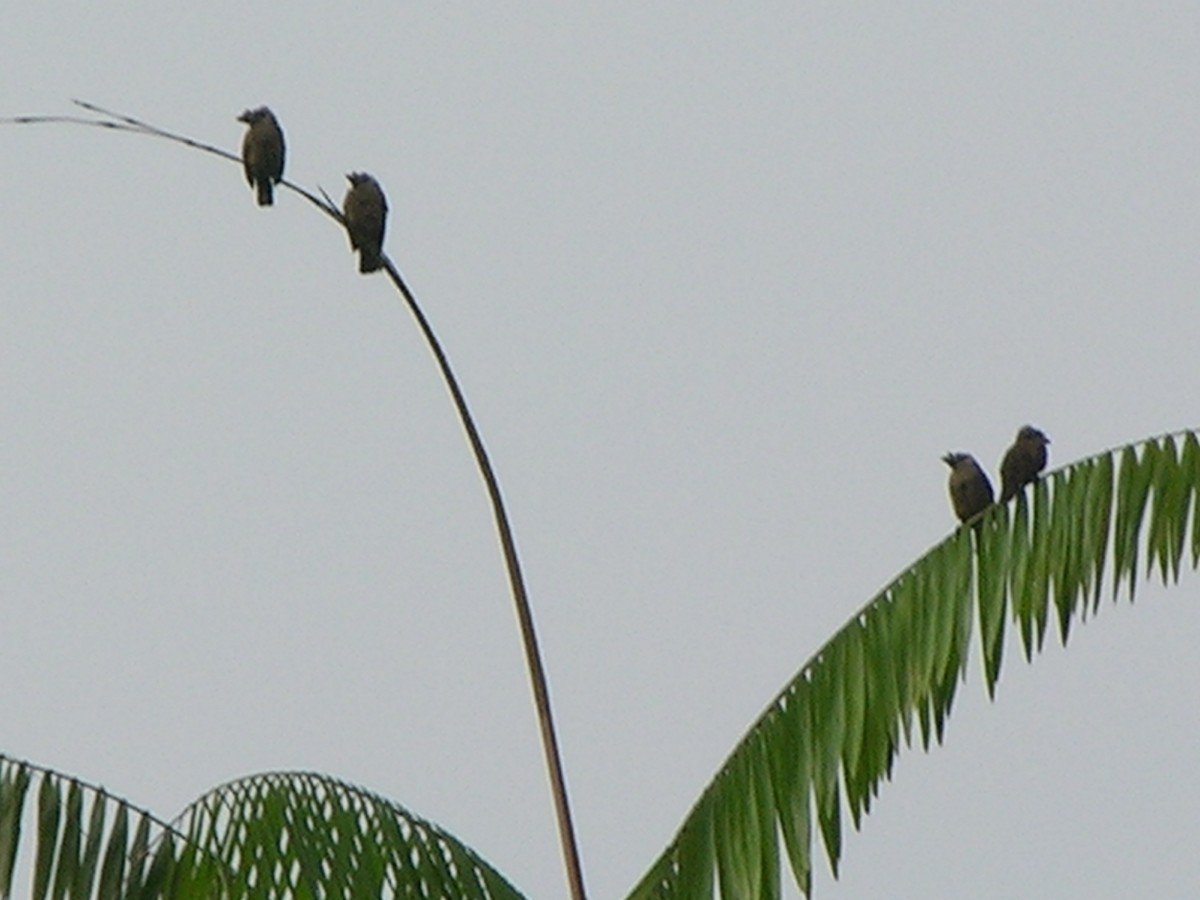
x=537, y=675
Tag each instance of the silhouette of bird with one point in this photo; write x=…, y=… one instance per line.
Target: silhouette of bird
x=262, y=152
x=970, y=490
x=1022, y=462
x=365, y=209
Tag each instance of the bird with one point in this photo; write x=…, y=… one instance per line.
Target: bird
x=970, y=490
x=1022, y=462
x=262, y=152
x=365, y=210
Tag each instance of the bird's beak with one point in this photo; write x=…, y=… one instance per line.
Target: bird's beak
x=244, y=117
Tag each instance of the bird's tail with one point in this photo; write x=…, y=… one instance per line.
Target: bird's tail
x=369, y=261
x=266, y=195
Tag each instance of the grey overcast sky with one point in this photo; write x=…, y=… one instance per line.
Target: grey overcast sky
x=722, y=283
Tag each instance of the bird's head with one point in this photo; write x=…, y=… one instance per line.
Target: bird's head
x=1033, y=435
x=250, y=116
x=357, y=178
x=953, y=459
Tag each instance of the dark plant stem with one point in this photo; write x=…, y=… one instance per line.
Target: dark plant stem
x=537, y=674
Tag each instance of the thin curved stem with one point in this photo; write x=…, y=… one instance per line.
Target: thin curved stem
x=537, y=674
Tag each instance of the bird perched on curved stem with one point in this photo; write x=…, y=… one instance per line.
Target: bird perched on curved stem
x=365, y=209
x=1023, y=461
x=970, y=490
x=262, y=152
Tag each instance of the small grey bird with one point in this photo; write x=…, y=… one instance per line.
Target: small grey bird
x=1023, y=462
x=262, y=152
x=365, y=209
x=970, y=490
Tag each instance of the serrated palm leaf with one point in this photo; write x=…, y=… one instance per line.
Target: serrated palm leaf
x=302, y=834
x=834, y=731
x=81, y=842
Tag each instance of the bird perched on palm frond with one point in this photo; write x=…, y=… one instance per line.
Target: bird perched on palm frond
x=1023, y=461
x=365, y=209
x=262, y=152
x=970, y=490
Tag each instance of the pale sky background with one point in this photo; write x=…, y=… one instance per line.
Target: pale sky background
x=722, y=283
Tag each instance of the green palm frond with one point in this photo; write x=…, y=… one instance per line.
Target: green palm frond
x=89, y=844
x=277, y=835
x=832, y=735
x=305, y=835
